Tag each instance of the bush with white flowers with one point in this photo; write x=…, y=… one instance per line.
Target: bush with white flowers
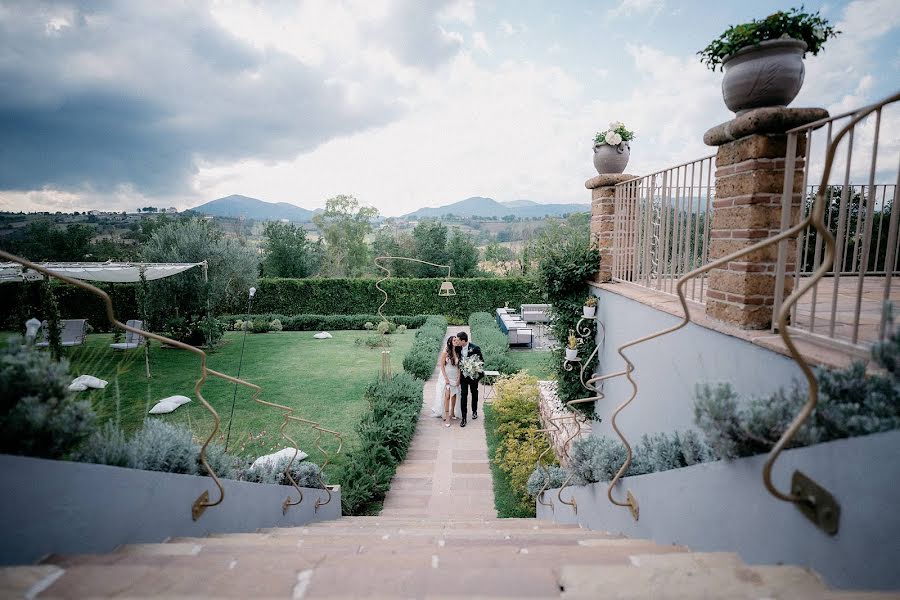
x=615, y=135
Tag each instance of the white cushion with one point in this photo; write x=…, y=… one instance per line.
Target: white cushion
x=124, y=346
x=167, y=405
x=83, y=382
x=273, y=458
x=323, y=335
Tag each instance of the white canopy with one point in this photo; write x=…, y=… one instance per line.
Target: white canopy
x=97, y=271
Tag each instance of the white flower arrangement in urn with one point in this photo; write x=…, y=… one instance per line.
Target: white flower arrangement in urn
x=612, y=148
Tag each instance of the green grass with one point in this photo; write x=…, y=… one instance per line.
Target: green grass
x=323, y=380
x=536, y=362
x=506, y=501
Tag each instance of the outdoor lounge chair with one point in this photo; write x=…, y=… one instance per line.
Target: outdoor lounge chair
x=132, y=340
x=72, y=332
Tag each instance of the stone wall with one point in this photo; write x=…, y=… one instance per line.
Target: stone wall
x=568, y=431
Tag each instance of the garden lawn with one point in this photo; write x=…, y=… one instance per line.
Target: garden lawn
x=536, y=362
x=323, y=380
x=506, y=501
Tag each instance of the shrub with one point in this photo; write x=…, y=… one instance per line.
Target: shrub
x=555, y=473
x=106, y=446
x=275, y=325
x=515, y=418
x=493, y=342
x=596, y=458
x=401, y=329
x=384, y=434
x=306, y=474
x=39, y=416
x=373, y=341
x=421, y=359
x=260, y=326
x=328, y=322
x=383, y=328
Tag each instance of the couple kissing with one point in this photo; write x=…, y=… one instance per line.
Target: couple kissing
x=461, y=366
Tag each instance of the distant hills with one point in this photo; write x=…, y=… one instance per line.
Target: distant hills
x=478, y=206
x=251, y=208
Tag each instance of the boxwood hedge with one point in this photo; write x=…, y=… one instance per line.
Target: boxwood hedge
x=493, y=342
x=422, y=357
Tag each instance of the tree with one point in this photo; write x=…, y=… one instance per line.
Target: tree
x=232, y=268
x=344, y=225
x=392, y=243
x=430, y=244
x=463, y=255
x=288, y=253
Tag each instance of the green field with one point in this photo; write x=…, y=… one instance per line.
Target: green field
x=536, y=362
x=323, y=380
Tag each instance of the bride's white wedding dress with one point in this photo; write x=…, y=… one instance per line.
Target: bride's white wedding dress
x=437, y=408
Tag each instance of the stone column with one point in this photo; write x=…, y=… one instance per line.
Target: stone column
x=750, y=171
x=603, y=214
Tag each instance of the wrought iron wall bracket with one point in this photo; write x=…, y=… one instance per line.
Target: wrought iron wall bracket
x=816, y=503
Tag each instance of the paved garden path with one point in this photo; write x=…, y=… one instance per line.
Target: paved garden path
x=446, y=473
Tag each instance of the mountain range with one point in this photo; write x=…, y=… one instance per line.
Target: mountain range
x=243, y=206
x=478, y=206
x=251, y=208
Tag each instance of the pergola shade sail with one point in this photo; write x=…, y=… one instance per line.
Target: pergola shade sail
x=94, y=271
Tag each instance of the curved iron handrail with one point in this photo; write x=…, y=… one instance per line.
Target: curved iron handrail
x=202, y=502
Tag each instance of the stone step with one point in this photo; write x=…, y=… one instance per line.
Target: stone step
x=483, y=531
x=688, y=560
x=437, y=583
x=27, y=581
x=698, y=582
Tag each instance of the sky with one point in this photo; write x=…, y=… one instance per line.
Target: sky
x=402, y=103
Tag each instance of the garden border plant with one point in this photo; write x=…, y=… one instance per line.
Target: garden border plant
x=493, y=343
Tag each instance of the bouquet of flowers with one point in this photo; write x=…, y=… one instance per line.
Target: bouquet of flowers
x=471, y=367
x=615, y=135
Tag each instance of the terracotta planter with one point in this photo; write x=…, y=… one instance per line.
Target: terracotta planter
x=770, y=74
x=611, y=159
x=589, y=311
x=571, y=354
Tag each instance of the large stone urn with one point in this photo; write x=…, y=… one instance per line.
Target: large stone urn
x=770, y=74
x=611, y=159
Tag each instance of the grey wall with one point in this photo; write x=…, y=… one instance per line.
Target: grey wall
x=723, y=506
x=667, y=369
x=49, y=506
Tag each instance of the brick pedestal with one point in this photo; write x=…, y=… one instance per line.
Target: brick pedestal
x=603, y=209
x=750, y=180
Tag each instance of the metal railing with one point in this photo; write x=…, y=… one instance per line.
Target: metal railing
x=661, y=227
x=845, y=308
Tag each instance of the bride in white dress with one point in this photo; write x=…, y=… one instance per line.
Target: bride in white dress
x=446, y=395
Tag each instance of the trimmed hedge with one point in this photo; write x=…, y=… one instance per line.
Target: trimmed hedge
x=385, y=434
x=326, y=322
x=493, y=342
x=315, y=296
x=422, y=357
x=405, y=296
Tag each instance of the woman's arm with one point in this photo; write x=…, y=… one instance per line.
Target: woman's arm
x=442, y=361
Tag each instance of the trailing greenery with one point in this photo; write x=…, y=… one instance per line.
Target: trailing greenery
x=493, y=343
x=565, y=269
x=515, y=419
x=422, y=357
x=384, y=437
x=405, y=296
x=851, y=403
x=794, y=24
x=39, y=416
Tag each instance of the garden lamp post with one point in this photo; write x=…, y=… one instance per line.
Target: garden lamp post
x=444, y=291
x=240, y=364
x=31, y=328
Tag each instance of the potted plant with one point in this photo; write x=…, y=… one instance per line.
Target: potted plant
x=611, y=148
x=572, y=347
x=763, y=59
x=590, y=307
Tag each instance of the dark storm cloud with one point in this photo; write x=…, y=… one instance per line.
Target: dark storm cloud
x=103, y=94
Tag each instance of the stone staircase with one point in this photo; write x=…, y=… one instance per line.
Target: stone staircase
x=403, y=557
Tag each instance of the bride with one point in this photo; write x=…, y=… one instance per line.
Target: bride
x=447, y=393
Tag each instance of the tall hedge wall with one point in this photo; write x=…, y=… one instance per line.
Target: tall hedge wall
x=405, y=296
x=298, y=296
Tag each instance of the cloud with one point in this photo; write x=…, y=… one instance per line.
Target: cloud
x=627, y=8
x=479, y=42
x=128, y=95
x=462, y=11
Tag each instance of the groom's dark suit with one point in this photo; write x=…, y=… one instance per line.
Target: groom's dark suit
x=467, y=384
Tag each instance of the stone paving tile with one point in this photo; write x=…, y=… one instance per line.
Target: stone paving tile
x=439, y=455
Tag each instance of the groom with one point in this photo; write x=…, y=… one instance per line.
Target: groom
x=467, y=349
